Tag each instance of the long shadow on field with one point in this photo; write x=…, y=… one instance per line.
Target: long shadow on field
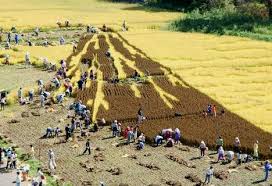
x=259, y=181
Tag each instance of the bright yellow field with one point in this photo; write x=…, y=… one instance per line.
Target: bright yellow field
x=38, y=53
x=234, y=71
x=32, y=13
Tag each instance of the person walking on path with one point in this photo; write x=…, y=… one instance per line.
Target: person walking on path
x=209, y=175
x=18, y=178
x=267, y=168
x=255, y=150
x=51, y=161
x=87, y=147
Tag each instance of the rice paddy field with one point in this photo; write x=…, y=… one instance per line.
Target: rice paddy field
x=33, y=13
x=178, y=73
x=234, y=71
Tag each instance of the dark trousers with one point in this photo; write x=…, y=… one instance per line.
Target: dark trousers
x=87, y=149
x=202, y=151
x=159, y=141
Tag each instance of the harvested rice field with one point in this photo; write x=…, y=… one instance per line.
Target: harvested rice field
x=172, y=77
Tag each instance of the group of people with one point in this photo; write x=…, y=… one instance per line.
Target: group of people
x=169, y=136
x=11, y=156
x=229, y=156
x=130, y=133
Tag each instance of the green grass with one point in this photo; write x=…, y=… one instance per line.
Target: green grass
x=227, y=21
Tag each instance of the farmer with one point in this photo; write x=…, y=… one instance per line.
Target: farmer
x=2, y=104
x=31, y=95
x=140, y=146
x=130, y=135
x=255, y=150
x=214, y=110
x=27, y=59
x=170, y=142
x=177, y=135
x=237, y=145
x=74, y=48
x=32, y=151
x=51, y=161
x=119, y=129
x=63, y=64
x=14, y=160
x=49, y=132
x=57, y=131
x=267, y=168
x=202, y=148
x=108, y=54
x=16, y=38
x=158, y=140
x=62, y=40
x=45, y=43
x=114, y=127
x=42, y=100
x=87, y=147
x=56, y=82
x=80, y=84
x=20, y=94
x=219, y=142
x=92, y=75
x=67, y=132
x=40, y=177
x=229, y=156
x=7, y=45
x=209, y=109
x=209, y=175
x=124, y=26
x=141, y=138
x=18, y=179
x=220, y=154
x=140, y=115
x=135, y=133
x=60, y=97
x=36, y=31
x=9, y=37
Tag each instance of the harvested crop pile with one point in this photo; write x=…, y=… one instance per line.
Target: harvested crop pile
x=149, y=166
x=115, y=171
x=193, y=178
x=221, y=174
x=180, y=161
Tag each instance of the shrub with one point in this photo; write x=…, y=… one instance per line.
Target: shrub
x=256, y=10
x=231, y=21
